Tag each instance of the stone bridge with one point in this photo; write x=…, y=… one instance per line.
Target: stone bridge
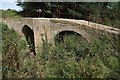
x=38, y=28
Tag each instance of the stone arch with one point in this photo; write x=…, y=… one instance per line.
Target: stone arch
x=73, y=41
x=78, y=31
x=29, y=35
x=61, y=34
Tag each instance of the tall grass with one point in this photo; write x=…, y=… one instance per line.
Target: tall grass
x=12, y=47
x=10, y=13
x=99, y=59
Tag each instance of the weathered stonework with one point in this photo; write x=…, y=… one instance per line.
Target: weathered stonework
x=53, y=26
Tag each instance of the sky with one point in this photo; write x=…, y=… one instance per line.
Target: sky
x=9, y=4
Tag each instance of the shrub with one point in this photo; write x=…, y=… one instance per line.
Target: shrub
x=68, y=59
x=11, y=49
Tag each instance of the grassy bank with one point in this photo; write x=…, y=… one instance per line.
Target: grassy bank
x=67, y=59
x=10, y=13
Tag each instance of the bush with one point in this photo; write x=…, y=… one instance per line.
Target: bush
x=10, y=13
x=12, y=47
x=99, y=59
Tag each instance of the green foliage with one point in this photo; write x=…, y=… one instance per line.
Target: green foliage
x=10, y=13
x=107, y=13
x=67, y=59
x=11, y=48
x=99, y=62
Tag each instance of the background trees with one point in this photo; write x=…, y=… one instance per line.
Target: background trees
x=105, y=13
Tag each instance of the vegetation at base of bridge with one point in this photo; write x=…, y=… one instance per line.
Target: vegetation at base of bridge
x=100, y=61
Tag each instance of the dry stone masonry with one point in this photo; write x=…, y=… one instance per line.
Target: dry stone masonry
x=53, y=26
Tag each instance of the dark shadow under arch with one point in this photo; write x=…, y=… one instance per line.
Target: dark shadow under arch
x=29, y=35
x=59, y=37
x=77, y=44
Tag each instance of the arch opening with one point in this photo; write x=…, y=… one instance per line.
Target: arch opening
x=29, y=35
x=72, y=41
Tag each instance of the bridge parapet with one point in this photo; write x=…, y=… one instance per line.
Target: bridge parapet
x=53, y=26
x=87, y=24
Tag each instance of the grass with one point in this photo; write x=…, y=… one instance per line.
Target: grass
x=10, y=13
x=64, y=60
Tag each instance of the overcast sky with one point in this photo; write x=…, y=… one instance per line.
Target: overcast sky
x=9, y=4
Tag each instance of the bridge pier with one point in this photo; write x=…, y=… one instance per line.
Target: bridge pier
x=51, y=27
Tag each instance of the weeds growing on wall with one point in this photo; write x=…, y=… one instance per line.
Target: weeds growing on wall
x=64, y=60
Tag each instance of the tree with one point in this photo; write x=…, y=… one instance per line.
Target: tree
x=104, y=13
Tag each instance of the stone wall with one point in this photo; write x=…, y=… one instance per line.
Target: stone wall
x=53, y=26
